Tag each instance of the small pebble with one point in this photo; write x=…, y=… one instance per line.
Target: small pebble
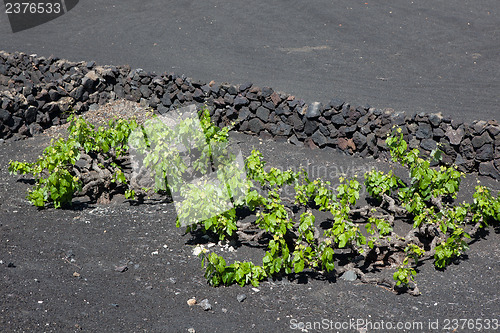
x=191, y=301
x=121, y=269
x=241, y=297
x=69, y=254
x=349, y=276
x=205, y=305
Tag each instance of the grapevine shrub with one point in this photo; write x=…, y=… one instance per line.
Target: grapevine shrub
x=57, y=178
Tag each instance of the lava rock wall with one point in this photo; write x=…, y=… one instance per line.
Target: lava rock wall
x=38, y=92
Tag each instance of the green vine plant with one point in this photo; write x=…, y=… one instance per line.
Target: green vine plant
x=438, y=228
x=186, y=156
x=89, y=162
x=97, y=161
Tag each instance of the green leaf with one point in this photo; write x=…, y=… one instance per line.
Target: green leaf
x=343, y=239
x=299, y=266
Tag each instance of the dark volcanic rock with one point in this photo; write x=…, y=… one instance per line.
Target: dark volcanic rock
x=455, y=136
x=314, y=110
x=166, y=101
x=255, y=125
x=296, y=122
x=336, y=103
x=30, y=115
x=90, y=80
x=333, y=131
x=266, y=92
x=438, y=133
x=5, y=116
x=424, y=131
x=494, y=130
x=243, y=114
x=350, y=129
x=231, y=90
x=240, y=101
x=363, y=121
x=35, y=128
x=275, y=98
x=479, y=141
x=54, y=95
x=435, y=119
x=428, y=144
x=479, y=126
x=338, y=120
x=35, y=98
x=448, y=150
x=308, y=142
x=467, y=150
x=345, y=144
x=244, y=126
x=352, y=117
x=24, y=130
x=283, y=110
x=245, y=86
x=319, y=139
x=464, y=165
x=359, y=140
x=265, y=135
x=489, y=169
x=145, y=91
x=310, y=126
x=293, y=140
x=398, y=118
x=228, y=99
x=263, y=113
x=283, y=129
x=485, y=153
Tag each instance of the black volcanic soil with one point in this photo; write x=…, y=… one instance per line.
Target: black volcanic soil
x=58, y=268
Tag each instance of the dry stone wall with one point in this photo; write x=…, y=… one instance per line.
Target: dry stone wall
x=38, y=92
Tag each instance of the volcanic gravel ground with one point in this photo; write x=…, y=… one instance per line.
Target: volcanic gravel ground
x=127, y=268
